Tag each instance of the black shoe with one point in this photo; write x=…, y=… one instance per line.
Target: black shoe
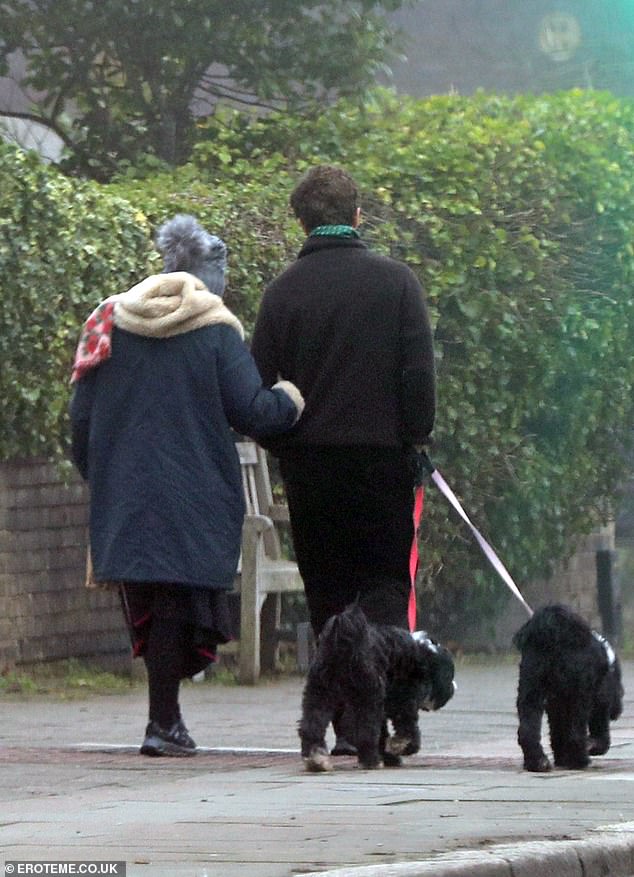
x=343, y=747
x=175, y=742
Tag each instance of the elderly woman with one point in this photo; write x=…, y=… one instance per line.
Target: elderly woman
x=161, y=377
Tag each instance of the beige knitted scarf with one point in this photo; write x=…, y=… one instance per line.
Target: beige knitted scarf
x=160, y=306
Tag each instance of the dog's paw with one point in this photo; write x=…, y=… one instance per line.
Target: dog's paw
x=540, y=765
x=397, y=745
x=572, y=762
x=318, y=761
x=597, y=746
x=371, y=765
x=390, y=760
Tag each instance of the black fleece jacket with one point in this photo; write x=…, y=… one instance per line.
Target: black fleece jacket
x=351, y=329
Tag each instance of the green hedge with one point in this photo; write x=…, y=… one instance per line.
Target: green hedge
x=64, y=246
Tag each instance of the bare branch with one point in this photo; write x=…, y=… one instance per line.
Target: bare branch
x=41, y=120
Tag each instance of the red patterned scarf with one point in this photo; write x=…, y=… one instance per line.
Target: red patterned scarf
x=95, y=341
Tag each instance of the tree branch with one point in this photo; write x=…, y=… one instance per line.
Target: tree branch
x=40, y=120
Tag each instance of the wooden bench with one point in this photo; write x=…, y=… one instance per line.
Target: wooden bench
x=264, y=575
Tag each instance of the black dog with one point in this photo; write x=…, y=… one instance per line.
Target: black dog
x=572, y=673
x=374, y=673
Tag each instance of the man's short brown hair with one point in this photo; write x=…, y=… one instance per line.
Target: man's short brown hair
x=326, y=195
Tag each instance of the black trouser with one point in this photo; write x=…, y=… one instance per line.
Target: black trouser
x=351, y=515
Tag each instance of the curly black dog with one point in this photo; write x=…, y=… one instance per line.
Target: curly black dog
x=375, y=673
x=572, y=673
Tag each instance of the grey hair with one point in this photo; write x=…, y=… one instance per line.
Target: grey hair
x=186, y=246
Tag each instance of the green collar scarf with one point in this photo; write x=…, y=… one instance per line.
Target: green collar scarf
x=335, y=231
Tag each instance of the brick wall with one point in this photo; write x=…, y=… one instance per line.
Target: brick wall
x=46, y=613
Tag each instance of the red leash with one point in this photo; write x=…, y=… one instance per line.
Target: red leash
x=419, y=497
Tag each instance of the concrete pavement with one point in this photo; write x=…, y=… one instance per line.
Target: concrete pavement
x=72, y=787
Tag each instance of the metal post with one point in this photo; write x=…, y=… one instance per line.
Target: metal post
x=607, y=595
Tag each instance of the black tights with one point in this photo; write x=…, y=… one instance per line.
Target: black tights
x=167, y=648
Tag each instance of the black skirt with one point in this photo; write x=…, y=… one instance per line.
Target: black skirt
x=205, y=613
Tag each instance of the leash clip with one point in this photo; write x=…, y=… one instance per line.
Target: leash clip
x=422, y=467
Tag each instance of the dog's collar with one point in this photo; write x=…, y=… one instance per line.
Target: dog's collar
x=421, y=636
x=609, y=651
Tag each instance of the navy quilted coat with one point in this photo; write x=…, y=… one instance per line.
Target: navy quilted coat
x=152, y=433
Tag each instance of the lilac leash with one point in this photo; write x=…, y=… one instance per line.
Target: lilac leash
x=489, y=553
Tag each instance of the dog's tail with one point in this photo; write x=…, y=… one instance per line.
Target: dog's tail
x=553, y=626
x=344, y=635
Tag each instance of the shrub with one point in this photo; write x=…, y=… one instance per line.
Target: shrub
x=64, y=246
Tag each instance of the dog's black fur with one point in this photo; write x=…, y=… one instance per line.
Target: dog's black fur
x=571, y=673
x=374, y=673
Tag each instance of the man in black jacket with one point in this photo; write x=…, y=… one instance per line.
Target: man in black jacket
x=350, y=328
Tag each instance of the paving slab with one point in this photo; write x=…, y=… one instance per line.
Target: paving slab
x=73, y=787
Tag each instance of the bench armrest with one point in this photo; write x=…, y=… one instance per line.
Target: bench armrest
x=257, y=523
x=279, y=512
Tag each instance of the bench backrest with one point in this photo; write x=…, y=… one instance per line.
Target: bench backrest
x=258, y=495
